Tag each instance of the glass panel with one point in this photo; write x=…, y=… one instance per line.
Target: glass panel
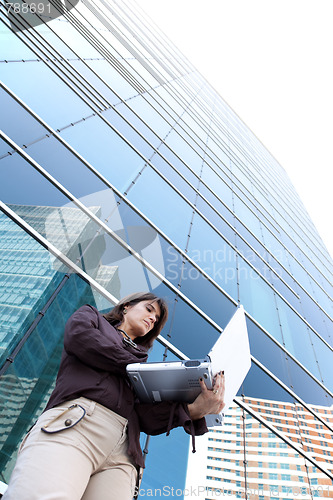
x=206, y=296
x=241, y=179
x=162, y=205
x=221, y=189
x=95, y=81
x=327, y=332
x=4, y=148
x=258, y=386
x=162, y=109
x=191, y=123
x=307, y=388
x=213, y=255
x=323, y=298
x=117, y=82
x=248, y=218
x=189, y=331
x=52, y=40
x=26, y=278
x=222, y=157
x=247, y=238
x=74, y=39
x=177, y=164
x=147, y=115
x=26, y=385
x=127, y=131
x=296, y=337
x=258, y=299
x=17, y=123
x=92, y=192
x=172, y=174
x=53, y=156
x=164, y=93
x=311, y=312
x=118, y=162
x=324, y=359
x=289, y=372
x=215, y=216
x=142, y=75
x=11, y=47
x=257, y=261
x=289, y=294
x=70, y=230
x=37, y=93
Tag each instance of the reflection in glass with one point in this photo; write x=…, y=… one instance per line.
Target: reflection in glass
x=72, y=231
x=27, y=278
x=27, y=383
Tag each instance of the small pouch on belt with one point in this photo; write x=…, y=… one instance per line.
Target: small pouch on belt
x=65, y=420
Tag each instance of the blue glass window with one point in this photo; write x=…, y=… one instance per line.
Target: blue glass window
x=162, y=205
x=118, y=162
x=220, y=187
x=110, y=75
x=39, y=92
x=247, y=217
x=213, y=255
x=206, y=296
x=296, y=337
x=17, y=123
x=134, y=137
x=12, y=48
x=258, y=299
x=148, y=114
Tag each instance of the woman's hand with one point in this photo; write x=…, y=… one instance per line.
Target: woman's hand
x=209, y=400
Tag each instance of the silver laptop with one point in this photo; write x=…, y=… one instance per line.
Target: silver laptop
x=179, y=380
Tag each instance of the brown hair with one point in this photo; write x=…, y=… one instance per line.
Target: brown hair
x=116, y=315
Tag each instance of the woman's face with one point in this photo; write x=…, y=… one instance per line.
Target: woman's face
x=140, y=318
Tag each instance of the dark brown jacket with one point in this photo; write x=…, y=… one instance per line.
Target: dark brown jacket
x=93, y=365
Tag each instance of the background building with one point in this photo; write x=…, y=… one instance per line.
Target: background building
x=123, y=170
x=273, y=469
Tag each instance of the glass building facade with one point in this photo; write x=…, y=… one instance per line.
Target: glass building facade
x=123, y=170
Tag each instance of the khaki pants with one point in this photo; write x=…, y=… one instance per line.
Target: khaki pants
x=87, y=461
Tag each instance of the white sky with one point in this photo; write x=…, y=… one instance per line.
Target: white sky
x=271, y=61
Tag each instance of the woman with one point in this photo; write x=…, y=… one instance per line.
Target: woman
x=86, y=443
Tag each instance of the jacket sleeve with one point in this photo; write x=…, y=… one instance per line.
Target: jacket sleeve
x=98, y=345
x=156, y=418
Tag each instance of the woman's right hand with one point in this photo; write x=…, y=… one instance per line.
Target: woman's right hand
x=209, y=400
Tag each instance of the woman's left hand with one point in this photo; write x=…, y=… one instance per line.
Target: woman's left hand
x=209, y=400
